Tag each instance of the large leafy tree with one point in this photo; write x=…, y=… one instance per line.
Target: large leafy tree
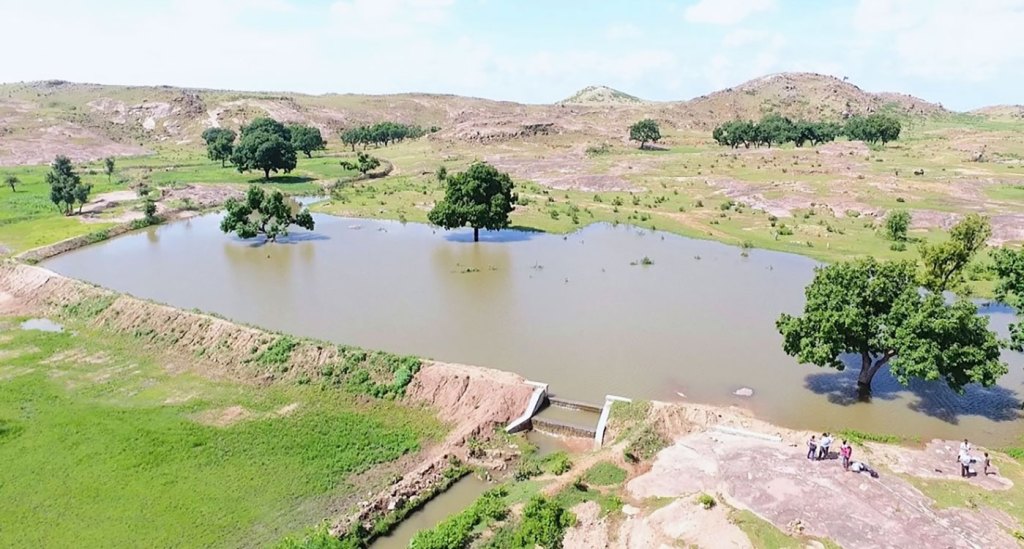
x=1009, y=265
x=645, y=131
x=873, y=128
x=944, y=262
x=307, y=139
x=896, y=225
x=265, y=145
x=66, y=187
x=874, y=310
x=220, y=143
x=262, y=213
x=481, y=197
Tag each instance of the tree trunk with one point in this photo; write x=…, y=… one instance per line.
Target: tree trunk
x=476, y=234
x=266, y=175
x=868, y=369
x=309, y=155
x=221, y=162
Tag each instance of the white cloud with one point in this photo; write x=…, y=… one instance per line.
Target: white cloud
x=623, y=31
x=726, y=12
x=946, y=39
x=388, y=17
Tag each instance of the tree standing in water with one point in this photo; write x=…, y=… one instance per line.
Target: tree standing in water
x=481, y=197
x=875, y=310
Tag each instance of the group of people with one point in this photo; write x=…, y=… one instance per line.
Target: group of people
x=818, y=449
x=965, y=459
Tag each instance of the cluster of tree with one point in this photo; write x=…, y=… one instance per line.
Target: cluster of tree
x=265, y=144
x=873, y=128
x=481, y=197
x=645, y=131
x=262, y=213
x=381, y=133
x=776, y=129
x=66, y=186
x=894, y=314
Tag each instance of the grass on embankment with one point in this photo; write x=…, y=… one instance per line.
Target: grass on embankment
x=101, y=446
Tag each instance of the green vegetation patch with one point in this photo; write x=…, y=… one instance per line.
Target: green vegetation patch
x=860, y=437
x=605, y=473
x=97, y=438
x=459, y=530
x=374, y=373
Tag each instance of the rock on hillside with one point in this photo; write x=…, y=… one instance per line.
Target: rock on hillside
x=798, y=95
x=601, y=95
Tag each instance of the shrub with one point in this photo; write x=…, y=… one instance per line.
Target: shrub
x=278, y=352
x=557, y=463
x=706, y=501
x=457, y=531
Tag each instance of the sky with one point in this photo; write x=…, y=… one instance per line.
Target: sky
x=961, y=53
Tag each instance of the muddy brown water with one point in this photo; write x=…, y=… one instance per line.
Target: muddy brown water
x=571, y=311
x=461, y=495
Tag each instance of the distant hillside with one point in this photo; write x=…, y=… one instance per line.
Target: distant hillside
x=601, y=95
x=1001, y=112
x=801, y=95
x=87, y=121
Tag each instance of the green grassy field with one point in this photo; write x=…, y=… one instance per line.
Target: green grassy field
x=101, y=446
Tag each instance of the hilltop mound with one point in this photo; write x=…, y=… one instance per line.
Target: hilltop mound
x=601, y=95
x=1001, y=112
x=800, y=95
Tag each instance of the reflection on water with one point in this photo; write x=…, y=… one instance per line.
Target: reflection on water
x=42, y=325
x=570, y=311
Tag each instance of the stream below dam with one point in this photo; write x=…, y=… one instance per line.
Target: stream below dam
x=580, y=312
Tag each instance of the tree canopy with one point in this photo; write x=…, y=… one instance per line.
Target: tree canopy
x=12, y=182
x=265, y=144
x=66, y=187
x=381, y=133
x=944, y=262
x=364, y=163
x=645, y=131
x=775, y=129
x=1009, y=266
x=874, y=310
x=307, y=139
x=896, y=225
x=220, y=143
x=481, y=197
x=873, y=128
x=262, y=213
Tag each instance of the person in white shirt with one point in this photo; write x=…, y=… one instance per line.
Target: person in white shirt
x=965, y=464
x=823, y=445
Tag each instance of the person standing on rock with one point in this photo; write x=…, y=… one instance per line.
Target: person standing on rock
x=826, y=441
x=846, y=451
x=812, y=448
x=965, y=447
x=965, y=464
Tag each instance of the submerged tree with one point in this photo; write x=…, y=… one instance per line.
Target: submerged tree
x=262, y=213
x=875, y=311
x=220, y=143
x=265, y=145
x=1009, y=265
x=307, y=139
x=66, y=187
x=645, y=131
x=481, y=197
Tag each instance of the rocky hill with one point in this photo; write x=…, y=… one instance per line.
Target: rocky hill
x=88, y=121
x=601, y=95
x=800, y=95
